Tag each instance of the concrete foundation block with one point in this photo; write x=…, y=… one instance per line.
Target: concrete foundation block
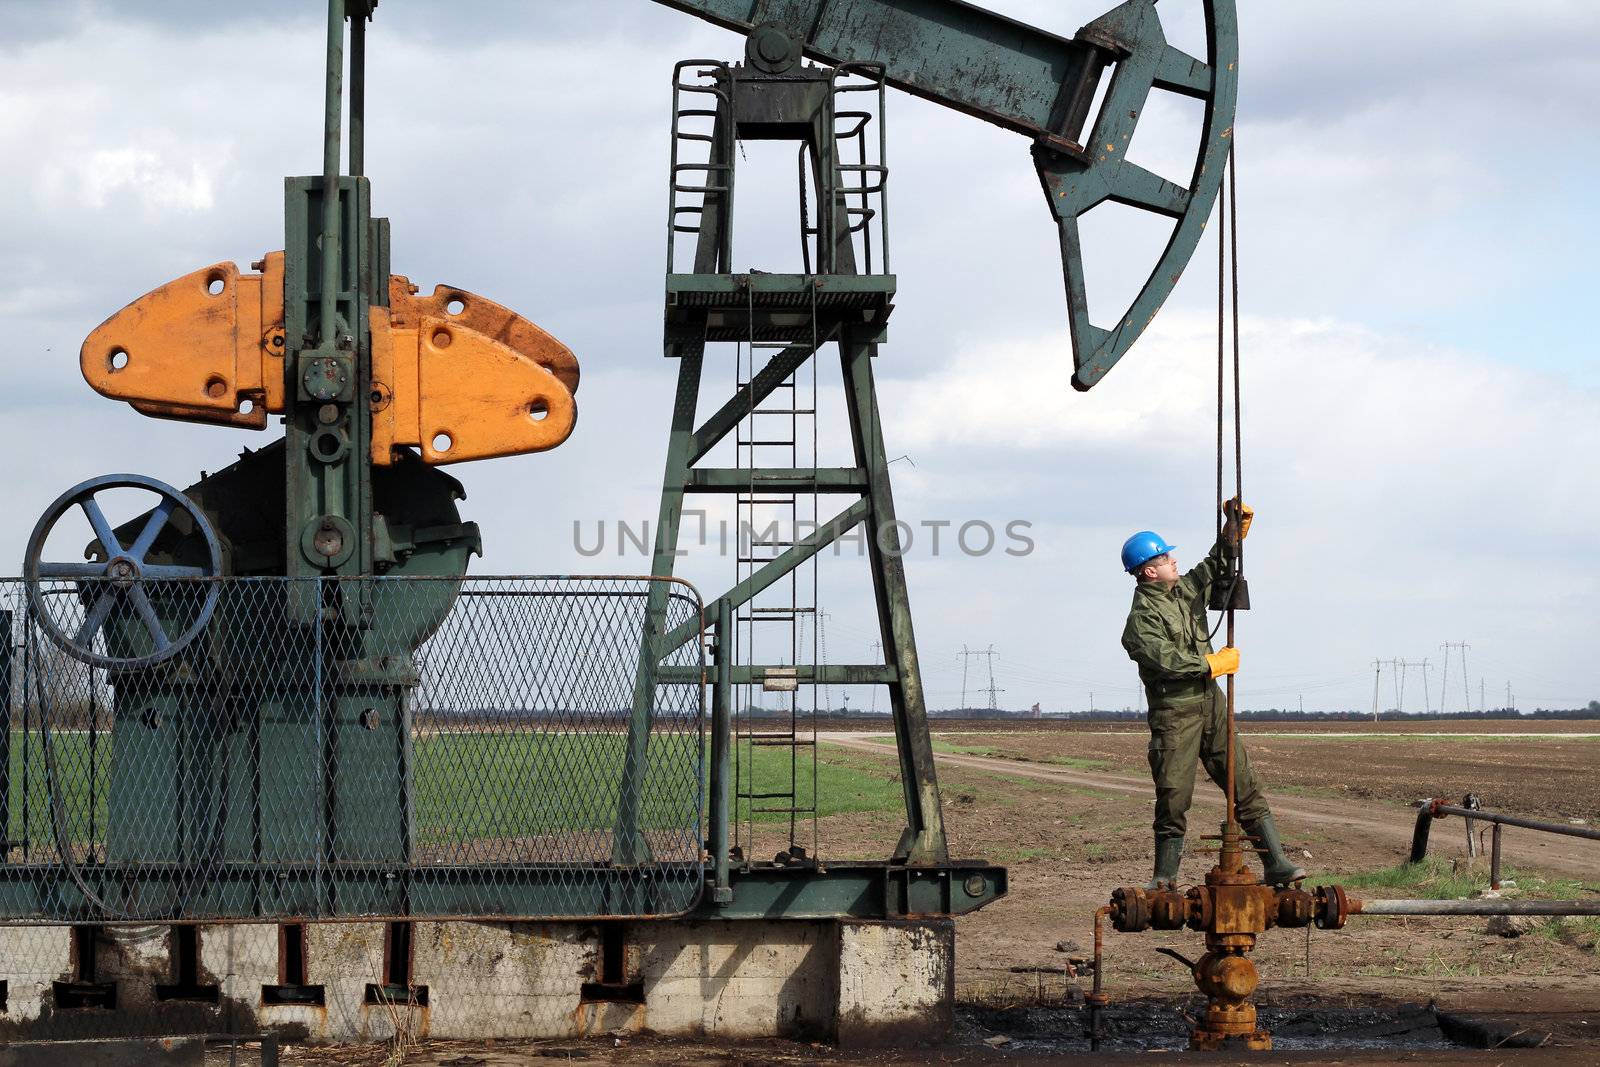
x=32, y=959
x=735, y=980
x=344, y=958
x=504, y=979
x=850, y=982
x=896, y=982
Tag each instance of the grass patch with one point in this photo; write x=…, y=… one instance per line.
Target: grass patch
x=1579, y=931
x=1402, y=963
x=1022, y=855
x=1040, y=787
x=1435, y=879
x=493, y=785
x=465, y=786
x=845, y=782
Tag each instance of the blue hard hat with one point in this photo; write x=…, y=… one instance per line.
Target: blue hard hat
x=1141, y=548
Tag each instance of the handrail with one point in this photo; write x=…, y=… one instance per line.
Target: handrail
x=1437, y=809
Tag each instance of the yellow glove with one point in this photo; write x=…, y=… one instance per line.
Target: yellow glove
x=1224, y=662
x=1239, y=515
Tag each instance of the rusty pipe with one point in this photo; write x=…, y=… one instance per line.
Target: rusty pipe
x=1097, y=999
x=1474, y=907
x=1438, y=810
x=1429, y=810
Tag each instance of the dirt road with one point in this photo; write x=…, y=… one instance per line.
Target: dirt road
x=1387, y=826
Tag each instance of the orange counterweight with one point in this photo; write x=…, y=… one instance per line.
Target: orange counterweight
x=454, y=375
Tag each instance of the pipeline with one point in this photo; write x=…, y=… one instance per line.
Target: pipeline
x=1474, y=907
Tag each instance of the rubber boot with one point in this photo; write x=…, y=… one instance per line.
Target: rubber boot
x=1169, y=850
x=1276, y=868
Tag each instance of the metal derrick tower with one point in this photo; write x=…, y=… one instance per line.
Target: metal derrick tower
x=841, y=301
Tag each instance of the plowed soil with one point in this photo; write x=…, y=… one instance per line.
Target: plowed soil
x=1068, y=808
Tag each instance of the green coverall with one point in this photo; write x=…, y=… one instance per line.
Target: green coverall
x=1166, y=637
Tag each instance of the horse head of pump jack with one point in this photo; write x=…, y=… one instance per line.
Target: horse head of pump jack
x=1044, y=87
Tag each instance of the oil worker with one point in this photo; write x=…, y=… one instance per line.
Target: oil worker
x=1167, y=636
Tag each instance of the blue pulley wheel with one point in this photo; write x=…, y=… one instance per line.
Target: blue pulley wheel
x=118, y=588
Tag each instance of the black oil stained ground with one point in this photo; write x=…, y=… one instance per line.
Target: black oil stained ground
x=1155, y=1024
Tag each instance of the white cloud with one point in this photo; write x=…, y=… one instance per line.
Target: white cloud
x=1416, y=485
x=1410, y=493
x=159, y=182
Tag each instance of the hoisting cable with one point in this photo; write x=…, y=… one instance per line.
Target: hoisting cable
x=1236, y=591
x=1237, y=546
x=1220, y=598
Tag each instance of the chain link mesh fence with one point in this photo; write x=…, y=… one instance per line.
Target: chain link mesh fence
x=258, y=748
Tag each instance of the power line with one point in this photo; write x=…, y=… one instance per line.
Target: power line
x=1397, y=666
x=989, y=653
x=1400, y=668
x=877, y=654
x=963, y=654
x=822, y=640
x=1377, y=676
x=1444, y=679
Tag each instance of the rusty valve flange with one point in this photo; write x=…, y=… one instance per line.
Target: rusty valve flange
x=1295, y=907
x=1135, y=909
x=1333, y=907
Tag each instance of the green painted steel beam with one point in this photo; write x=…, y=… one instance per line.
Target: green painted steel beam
x=771, y=571
x=842, y=890
x=333, y=105
x=741, y=285
x=628, y=844
x=777, y=480
x=720, y=773
x=956, y=54
x=776, y=371
x=805, y=674
x=859, y=891
x=924, y=837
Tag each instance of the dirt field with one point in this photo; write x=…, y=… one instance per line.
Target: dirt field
x=1067, y=809
x=1534, y=769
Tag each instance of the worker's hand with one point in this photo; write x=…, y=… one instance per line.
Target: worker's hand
x=1239, y=516
x=1223, y=662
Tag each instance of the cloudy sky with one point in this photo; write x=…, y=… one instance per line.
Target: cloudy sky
x=1416, y=188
